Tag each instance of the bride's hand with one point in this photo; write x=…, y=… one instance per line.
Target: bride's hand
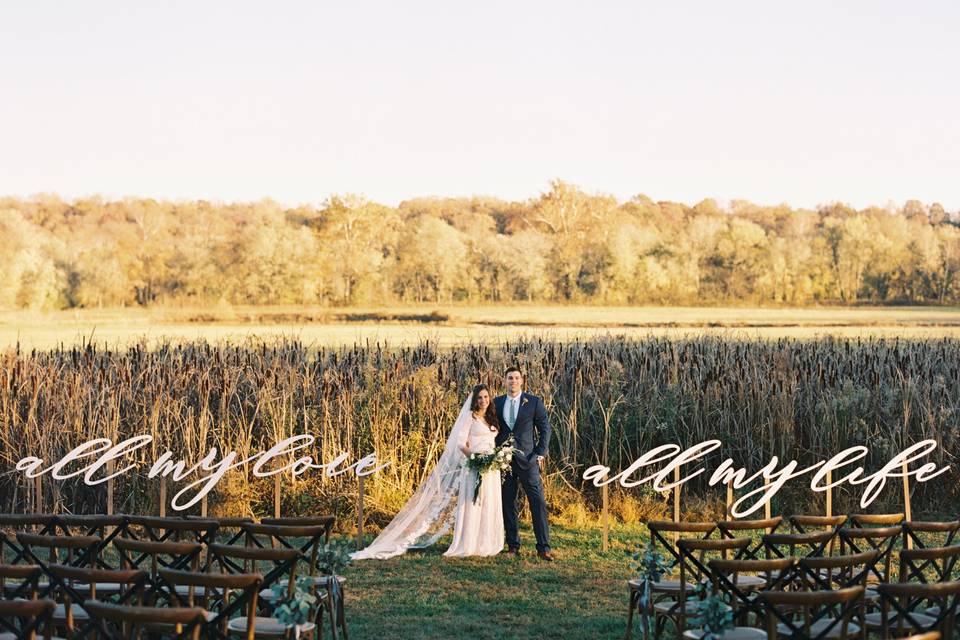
x=465, y=449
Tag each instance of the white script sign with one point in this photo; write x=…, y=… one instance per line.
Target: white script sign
x=104, y=452
x=897, y=467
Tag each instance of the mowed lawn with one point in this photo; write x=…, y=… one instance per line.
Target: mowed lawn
x=459, y=324
x=582, y=594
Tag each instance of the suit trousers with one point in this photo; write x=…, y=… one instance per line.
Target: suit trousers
x=532, y=486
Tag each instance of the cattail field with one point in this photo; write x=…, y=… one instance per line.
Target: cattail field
x=609, y=400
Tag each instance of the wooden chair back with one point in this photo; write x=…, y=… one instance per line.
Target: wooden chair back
x=123, y=622
x=22, y=619
x=835, y=607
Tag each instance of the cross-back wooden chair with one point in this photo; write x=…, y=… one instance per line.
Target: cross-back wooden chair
x=931, y=534
x=876, y=519
x=305, y=534
x=737, y=528
x=123, y=622
x=929, y=564
x=694, y=571
x=72, y=586
x=786, y=545
x=823, y=615
x=229, y=528
x=105, y=527
x=166, y=529
x=835, y=572
x=882, y=539
x=11, y=552
x=278, y=563
x=76, y=551
x=23, y=619
x=221, y=595
x=776, y=574
x=20, y=581
x=152, y=556
x=660, y=531
x=901, y=604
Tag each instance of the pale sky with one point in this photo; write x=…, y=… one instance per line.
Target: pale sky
x=809, y=103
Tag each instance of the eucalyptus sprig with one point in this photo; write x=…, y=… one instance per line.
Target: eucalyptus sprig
x=714, y=617
x=294, y=609
x=650, y=566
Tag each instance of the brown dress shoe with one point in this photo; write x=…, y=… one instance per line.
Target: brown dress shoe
x=514, y=551
x=545, y=555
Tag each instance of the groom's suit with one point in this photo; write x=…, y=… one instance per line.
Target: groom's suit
x=531, y=430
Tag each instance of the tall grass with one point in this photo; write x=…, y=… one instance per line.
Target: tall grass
x=800, y=400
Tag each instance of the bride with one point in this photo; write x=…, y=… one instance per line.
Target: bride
x=446, y=496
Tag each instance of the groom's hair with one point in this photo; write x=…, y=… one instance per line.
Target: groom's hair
x=511, y=370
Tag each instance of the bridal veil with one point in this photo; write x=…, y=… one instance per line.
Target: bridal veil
x=428, y=514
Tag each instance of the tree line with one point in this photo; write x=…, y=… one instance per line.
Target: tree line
x=563, y=246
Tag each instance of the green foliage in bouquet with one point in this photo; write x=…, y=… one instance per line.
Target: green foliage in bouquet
x=296, y=608
x=334, y=557
x=714, y=617
x=499, y=459
x=650, y=566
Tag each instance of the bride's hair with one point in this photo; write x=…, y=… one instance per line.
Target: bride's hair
x=490, y=415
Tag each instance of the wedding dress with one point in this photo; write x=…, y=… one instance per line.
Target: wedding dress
x=432, y=508
x=479, y=526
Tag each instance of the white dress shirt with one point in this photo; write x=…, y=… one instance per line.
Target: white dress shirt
x=506, y=409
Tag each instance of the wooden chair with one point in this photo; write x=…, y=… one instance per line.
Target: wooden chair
x=932, y=635
x=921, y=564
x=663, y=589
x=899, y=603
x=278, y=562
x=876, y=519
x=884, y=540
x=105, y=527
x=13, y=523
x=693, y=565
x=214, y=592
x=824, y=614
x=22, y=619
x=202, y=530
x=937, y=534
x=809, y=523
x=229, y=528
x=777, y=574
x=306, y=535
x=152, y=556
x=75, y=551
x=809, y=545
x=20, y=581
x=74, y=585
x=736, y=528
x=121, y=622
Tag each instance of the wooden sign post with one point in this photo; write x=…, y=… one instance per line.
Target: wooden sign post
x=605, y=546
x=360, y=491
x=163, y=496
x=906, y=502
x=729, y=510
x=676, y=501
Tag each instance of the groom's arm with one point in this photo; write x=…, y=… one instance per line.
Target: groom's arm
x=542, y=424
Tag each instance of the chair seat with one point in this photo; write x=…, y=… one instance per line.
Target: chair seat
x=818, y=627
x=103, y=588
x=265, y=627
x=660, y=586
x=736, y=633
x=665, y=607
x=323, y=581
x=60, y=613
x=875, y=620
x=750, y=582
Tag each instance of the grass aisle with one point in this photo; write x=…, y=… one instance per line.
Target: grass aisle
x=424, y=595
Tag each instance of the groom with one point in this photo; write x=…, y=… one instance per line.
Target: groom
x=520, y=414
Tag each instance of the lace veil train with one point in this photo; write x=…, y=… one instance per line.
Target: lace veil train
x=429, y=512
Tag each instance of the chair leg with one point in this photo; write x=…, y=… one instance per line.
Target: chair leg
x=633, y=603
x=342, y=616
x=333, y=615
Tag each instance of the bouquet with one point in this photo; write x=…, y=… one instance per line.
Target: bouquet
x=499, y=459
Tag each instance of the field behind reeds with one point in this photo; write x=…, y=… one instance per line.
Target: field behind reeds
x=802, y=400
